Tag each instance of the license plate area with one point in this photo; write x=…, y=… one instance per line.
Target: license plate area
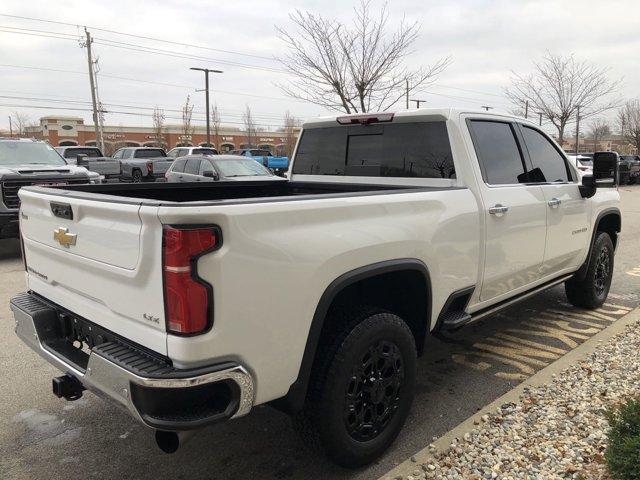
x=71, y=337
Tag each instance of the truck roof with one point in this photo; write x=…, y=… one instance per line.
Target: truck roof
x=441, y=114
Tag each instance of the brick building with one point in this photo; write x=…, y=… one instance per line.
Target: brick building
x=66, y=131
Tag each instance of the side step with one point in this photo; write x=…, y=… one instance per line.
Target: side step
x=452, y=320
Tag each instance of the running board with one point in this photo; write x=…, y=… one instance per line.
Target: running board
x=456, y=320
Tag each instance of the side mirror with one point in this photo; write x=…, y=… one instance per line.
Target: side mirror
x=605, y=169
x=210, y=174
x=588, y=186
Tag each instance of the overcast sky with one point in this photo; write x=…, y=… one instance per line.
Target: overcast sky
x=485, y=39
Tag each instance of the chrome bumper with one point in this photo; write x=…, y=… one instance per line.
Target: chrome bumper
x=111, y=380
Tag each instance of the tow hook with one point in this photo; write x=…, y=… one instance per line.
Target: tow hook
x=67, y=387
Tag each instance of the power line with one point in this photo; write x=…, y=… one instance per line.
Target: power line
x=129, y=79
x=182, y=44
x=137, y=114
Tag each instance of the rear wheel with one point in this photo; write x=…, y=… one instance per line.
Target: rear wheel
x=592, y=291
x=361, y=388
x=136, y=176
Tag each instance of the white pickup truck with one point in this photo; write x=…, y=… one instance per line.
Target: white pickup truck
x=189, y=304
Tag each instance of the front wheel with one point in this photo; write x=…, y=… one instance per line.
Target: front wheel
x=592, y=291
x=361, y=389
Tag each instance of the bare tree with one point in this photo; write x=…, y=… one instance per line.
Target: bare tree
x=215, y=125
x=187, y=114
x=249, y=127
x=158, y=127
x=352, y=68
x=20, y=121
x=560, y=86
x=599, y=129
x=629, y=122
x=290, y=134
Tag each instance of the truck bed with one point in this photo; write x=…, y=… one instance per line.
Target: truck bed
x=227, y=192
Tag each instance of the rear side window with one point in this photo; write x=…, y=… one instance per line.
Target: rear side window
x=498, y=153
x=178, y=165
x=419, y=150
x=192, y=166
x=545, y=157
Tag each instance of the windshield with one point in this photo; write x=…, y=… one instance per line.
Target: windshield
x=240, y=168
x=17, y=153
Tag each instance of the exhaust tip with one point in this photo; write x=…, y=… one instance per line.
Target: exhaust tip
x=168, y=442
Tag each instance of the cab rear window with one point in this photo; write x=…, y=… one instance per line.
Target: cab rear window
x=419, y=150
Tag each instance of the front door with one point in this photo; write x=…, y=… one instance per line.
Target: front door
x=567, y=212
x=515, y=212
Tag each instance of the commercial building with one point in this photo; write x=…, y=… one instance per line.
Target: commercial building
x=67, y=131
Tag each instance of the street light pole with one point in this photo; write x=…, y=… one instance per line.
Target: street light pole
x=206, y=90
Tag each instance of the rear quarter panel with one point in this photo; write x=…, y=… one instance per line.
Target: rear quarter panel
x=278, y=258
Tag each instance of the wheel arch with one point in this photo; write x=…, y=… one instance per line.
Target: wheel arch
x=608, y=220
x=340, y=289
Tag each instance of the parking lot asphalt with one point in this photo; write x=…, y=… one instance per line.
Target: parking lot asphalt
x=44, y=437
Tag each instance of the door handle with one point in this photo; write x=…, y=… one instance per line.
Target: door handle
x=554, y=202
x=498, y=210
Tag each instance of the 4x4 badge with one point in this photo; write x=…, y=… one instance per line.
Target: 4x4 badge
x=63, y=237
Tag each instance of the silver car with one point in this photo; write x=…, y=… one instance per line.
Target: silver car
x=207, y=168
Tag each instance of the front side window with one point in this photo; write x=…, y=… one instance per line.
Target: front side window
x=193, y=166
x=178, y=165
x=418, y=150
x=498, y=153
x=545, y=157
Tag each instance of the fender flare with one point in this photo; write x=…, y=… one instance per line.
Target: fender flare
x=294, y=400
x=615, y=211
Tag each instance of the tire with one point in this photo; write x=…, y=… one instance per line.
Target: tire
x=136, y=176
x=342, y=381
x=592, y=291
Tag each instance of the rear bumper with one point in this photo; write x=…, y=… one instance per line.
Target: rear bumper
x=149, y=387
x=9, y=225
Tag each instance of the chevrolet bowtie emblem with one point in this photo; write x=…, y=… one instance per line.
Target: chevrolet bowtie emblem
x=63, y=237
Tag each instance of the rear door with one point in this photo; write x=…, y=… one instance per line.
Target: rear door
x=514, y=211
x=192, y=170
x=568, y=214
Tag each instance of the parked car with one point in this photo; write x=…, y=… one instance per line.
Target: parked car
x=184, y=151
x=26, y=162
x=92, y=159
x=634, y=167
x=142, y=164
x=201, y=168
x=583, y=163
x=194, y=303
x=624, y=169
x=278, y=164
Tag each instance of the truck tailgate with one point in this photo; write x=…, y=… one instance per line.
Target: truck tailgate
x=103, y=263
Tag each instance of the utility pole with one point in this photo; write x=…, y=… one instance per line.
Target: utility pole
x=526, y=109
x=577, y=128
x=540, y=118
x=206, y=89
x=407, y=92
x=10, y=127
x=418, y=102
x=92, y=83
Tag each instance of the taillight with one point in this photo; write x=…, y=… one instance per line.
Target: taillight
x=188, y=298
x=149, y=168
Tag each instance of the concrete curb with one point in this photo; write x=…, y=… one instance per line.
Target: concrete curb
x=513, y=396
